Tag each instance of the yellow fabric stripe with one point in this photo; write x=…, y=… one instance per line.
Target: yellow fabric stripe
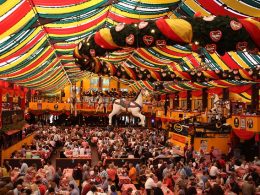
x=244, y=75
x=25, y=56
x=236, y=96
x=30, y=70
x=7, y=5
x=246, y=95
x=106, y=35
x=182, y=28
x=48, y=81
x=151, y=61
x=19, y=25
x=135, y=16
x=196, y=8
x=242, y=8
x=187, y=61
x=239, y=60
x=157, y=1
x=77, y=23
x=68, y=9
x=78, y=33
x=22, y=44
x=219, y=62
x=42, y=73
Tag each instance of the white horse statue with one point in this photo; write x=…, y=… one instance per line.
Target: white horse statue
x=220, y=107
x=133, y=107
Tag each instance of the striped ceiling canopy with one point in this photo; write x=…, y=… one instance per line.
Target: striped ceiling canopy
x=38, y=37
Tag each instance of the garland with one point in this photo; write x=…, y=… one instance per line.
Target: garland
x=216, y=34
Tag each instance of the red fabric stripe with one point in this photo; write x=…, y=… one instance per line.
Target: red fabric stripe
x=193, y=60
x=185, y=75
x=167, y=31
x=212, y=74
x=24, y=49
x=15, y=17
x=62, y=3
x=240, y=89
x=122, y=19
x=101, y=42
x=252, y=30
x=219, y=82
x=197, y=93
x=150, y=57
x=183, y=94
x=46, y=80
x=215, y=90
x=168, y=51
x=37, y=62
x=67, y=46
x=40, y=73
x=230, y=62
x=134, y=61
x=216, y=9
x=62, y=31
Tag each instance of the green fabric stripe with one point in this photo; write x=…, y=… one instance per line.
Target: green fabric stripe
x=187, y=10
x=2, y=1
x=24, y=63
x=138, y=12
x=35, y=71
x=34, y=82
x=253, y=3
x=12, y=41
x=65, y=15
x=137, y=3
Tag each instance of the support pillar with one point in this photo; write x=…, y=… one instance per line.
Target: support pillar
x=176, y=100
x=204, y=99
x=225, y=94
x=255, y=98
x=189, y=100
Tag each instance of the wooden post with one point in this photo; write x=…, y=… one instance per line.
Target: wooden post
x=204, y=99
x=254, y=98
x=188, y=100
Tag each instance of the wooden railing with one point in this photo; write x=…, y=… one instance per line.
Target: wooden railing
x=7, y=152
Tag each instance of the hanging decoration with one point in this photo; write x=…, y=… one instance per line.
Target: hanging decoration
x=208, y=32
x=215, y=35
x=235, y=25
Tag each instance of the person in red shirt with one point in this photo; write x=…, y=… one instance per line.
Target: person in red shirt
x=42, y=187
x=169, y=182
x=112, y=172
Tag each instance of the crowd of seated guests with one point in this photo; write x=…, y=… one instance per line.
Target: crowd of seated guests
x=132, y=143
x=188, y=176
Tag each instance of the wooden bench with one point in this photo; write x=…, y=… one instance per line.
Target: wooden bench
x=64, y=163
x=15, y=162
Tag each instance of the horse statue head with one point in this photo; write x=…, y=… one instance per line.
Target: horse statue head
x=144, y=92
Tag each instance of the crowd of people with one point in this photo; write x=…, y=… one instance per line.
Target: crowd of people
x=187, y=175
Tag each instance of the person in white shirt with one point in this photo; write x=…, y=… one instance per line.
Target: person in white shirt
x=24, y=168
x=213, y=171
x=81, y=151
x=149, y=184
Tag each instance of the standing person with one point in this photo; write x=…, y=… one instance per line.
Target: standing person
x=132, y=174
x=248, y=187
x=213, y=171
x=73, y=191
x=157, y=189
x=24, y=167
x=230, y=151
x=149, y=185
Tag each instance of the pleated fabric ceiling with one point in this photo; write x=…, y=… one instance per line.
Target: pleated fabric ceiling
x=38, y=37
